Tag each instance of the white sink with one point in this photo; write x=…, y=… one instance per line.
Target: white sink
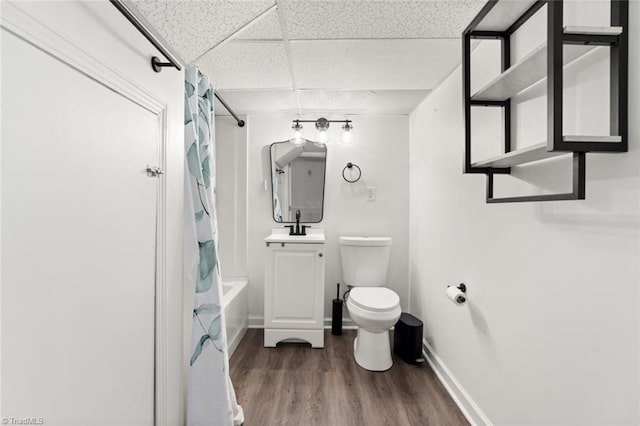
x=281, y=235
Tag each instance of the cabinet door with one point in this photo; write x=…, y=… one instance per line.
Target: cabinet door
x=294, y=286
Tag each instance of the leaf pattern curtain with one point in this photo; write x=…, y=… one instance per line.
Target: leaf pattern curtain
x=211, y=399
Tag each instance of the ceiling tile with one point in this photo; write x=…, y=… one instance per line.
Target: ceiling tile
x=193, y=27
x=373, y=64
x=257, y=101
x=359, y=101
x=247, y=65
x=321, y=102
x=357, y=19
x=267, y=28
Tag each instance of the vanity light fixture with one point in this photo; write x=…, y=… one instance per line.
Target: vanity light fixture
x=322, y=127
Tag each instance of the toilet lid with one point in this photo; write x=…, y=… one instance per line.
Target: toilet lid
x=378, y=299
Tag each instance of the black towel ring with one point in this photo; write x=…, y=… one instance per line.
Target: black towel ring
x=351, y=166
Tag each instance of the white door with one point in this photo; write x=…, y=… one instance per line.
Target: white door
x=78, y=245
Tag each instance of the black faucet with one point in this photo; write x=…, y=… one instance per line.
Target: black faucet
x=298, y=229
x=298, y=222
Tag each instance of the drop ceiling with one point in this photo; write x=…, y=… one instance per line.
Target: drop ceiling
x=316, y=56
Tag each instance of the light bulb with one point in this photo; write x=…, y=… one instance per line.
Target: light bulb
x=297, y=137
x=323, y=137
x=347, y=133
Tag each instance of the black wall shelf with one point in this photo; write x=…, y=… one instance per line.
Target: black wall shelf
x=498, y=20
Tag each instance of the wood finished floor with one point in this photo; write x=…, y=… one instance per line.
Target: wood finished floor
x=294, y=384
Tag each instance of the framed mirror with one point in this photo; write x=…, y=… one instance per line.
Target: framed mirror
x=297, y=181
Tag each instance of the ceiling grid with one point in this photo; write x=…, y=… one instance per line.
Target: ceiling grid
x=287, y=47
x=237, y=32
x=317, y=56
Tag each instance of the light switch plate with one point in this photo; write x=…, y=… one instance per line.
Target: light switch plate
x=371, y=193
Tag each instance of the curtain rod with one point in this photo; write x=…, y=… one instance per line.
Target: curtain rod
x=224, y=104
x=157, y=66
x=146, y=32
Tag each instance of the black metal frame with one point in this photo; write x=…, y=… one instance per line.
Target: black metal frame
x=324, y=184
x=619, y=78
x=577, y=193
x=556, y=41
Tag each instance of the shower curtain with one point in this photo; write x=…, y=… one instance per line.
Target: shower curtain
x=211, y=399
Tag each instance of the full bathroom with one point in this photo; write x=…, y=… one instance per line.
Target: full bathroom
x=310, y=212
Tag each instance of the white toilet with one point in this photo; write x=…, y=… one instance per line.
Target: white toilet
x=375, y=309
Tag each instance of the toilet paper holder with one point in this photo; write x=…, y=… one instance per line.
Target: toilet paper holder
x=457, y=294
x=462, y=287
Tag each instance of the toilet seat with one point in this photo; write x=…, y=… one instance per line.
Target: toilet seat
x=375, y=299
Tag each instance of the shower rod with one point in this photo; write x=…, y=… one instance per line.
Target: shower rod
x=157, y=66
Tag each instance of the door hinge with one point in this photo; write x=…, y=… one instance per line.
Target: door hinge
x=154, y=171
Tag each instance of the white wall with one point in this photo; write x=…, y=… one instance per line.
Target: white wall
x=381, y=150
x=551, y=331
x=231, y=196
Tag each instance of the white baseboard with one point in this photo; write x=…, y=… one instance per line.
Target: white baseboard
x=347, y=323
x=233, y=343
x=255, y=322
x=460, y=396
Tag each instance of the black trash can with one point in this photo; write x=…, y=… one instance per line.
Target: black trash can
x=407, y=339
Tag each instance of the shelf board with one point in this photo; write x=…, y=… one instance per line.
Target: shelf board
x=533, y=68
x=503, y=14
x=538, y=152
x=610, y=31
x=587, y=139
x=525, y=155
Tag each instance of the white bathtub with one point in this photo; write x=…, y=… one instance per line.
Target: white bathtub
x=236, y=311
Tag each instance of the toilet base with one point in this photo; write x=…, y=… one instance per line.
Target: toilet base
x=372, y=351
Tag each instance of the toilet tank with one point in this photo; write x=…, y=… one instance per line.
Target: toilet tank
x=365, y=260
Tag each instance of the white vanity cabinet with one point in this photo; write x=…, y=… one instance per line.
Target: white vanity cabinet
x=294, y=288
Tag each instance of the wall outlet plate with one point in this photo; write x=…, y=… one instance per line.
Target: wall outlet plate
x=371, y=193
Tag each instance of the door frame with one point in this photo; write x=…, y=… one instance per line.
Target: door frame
x=32, y=31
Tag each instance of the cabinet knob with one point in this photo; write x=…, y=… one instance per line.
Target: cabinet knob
x=319, y=254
